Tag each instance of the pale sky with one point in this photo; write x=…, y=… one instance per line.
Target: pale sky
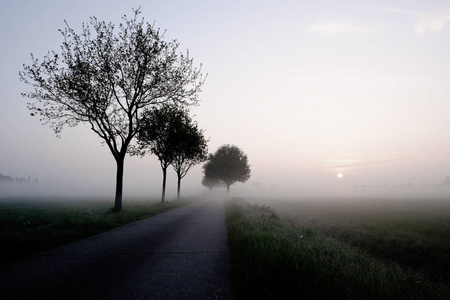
x=308, y=89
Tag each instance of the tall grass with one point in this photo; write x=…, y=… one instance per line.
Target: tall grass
x=414, y=233
x=28, y=227
x=274, y=258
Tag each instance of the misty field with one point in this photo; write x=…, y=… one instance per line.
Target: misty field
x=28, y=226
x=352, y=249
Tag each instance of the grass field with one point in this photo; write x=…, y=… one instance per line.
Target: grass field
x=339, y=249
x=412, y=232
x=28, y=226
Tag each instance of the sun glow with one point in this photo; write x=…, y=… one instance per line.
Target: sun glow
x=340, y=175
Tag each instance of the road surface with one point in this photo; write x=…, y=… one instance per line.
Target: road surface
x=180, y=254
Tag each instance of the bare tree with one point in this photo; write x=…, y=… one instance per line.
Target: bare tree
x=106, y=79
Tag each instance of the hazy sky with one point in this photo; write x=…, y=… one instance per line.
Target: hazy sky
x=308, y=89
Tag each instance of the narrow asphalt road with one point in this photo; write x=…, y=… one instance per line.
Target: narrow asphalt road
x=180, y=254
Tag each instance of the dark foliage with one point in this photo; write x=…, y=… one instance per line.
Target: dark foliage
x=169, y=133
x=106, y=79
x=228, y=164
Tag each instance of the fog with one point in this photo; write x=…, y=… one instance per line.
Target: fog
x=359, y=89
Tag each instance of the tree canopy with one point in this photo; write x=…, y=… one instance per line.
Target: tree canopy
x=210, y=183
x=156, y=136
x=106, y=79
x=170, y=133
x=228, y=164
x=191, y=148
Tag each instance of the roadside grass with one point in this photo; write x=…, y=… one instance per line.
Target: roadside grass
x=414, y=233
x=31, y=226
x=276, y=258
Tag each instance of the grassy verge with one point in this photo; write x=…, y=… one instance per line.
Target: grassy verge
x=274, y=258
x=412, y=232
x=28, y=227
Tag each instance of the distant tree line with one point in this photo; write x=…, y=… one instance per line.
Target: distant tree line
x=4, y=178
x=9, y=179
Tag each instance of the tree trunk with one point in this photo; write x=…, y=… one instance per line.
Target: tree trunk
x=119, y=184
x=163, y=195
x=178, y=187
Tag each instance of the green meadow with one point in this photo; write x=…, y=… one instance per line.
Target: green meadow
x=340, y=249
x=31, y=225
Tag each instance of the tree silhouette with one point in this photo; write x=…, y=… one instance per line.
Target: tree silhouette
x=210, y=183
x=169, y=132
x=106, y=79
x=228, y=164
x=157, y=136
x=191, y=147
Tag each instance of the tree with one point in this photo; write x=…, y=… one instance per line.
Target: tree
x=157, y=136
x=191, y=147
x=228, y=164
x=106, y=80
x=169, y=132
x=210, y=183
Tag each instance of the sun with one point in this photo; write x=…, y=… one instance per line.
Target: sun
x=340, y=175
